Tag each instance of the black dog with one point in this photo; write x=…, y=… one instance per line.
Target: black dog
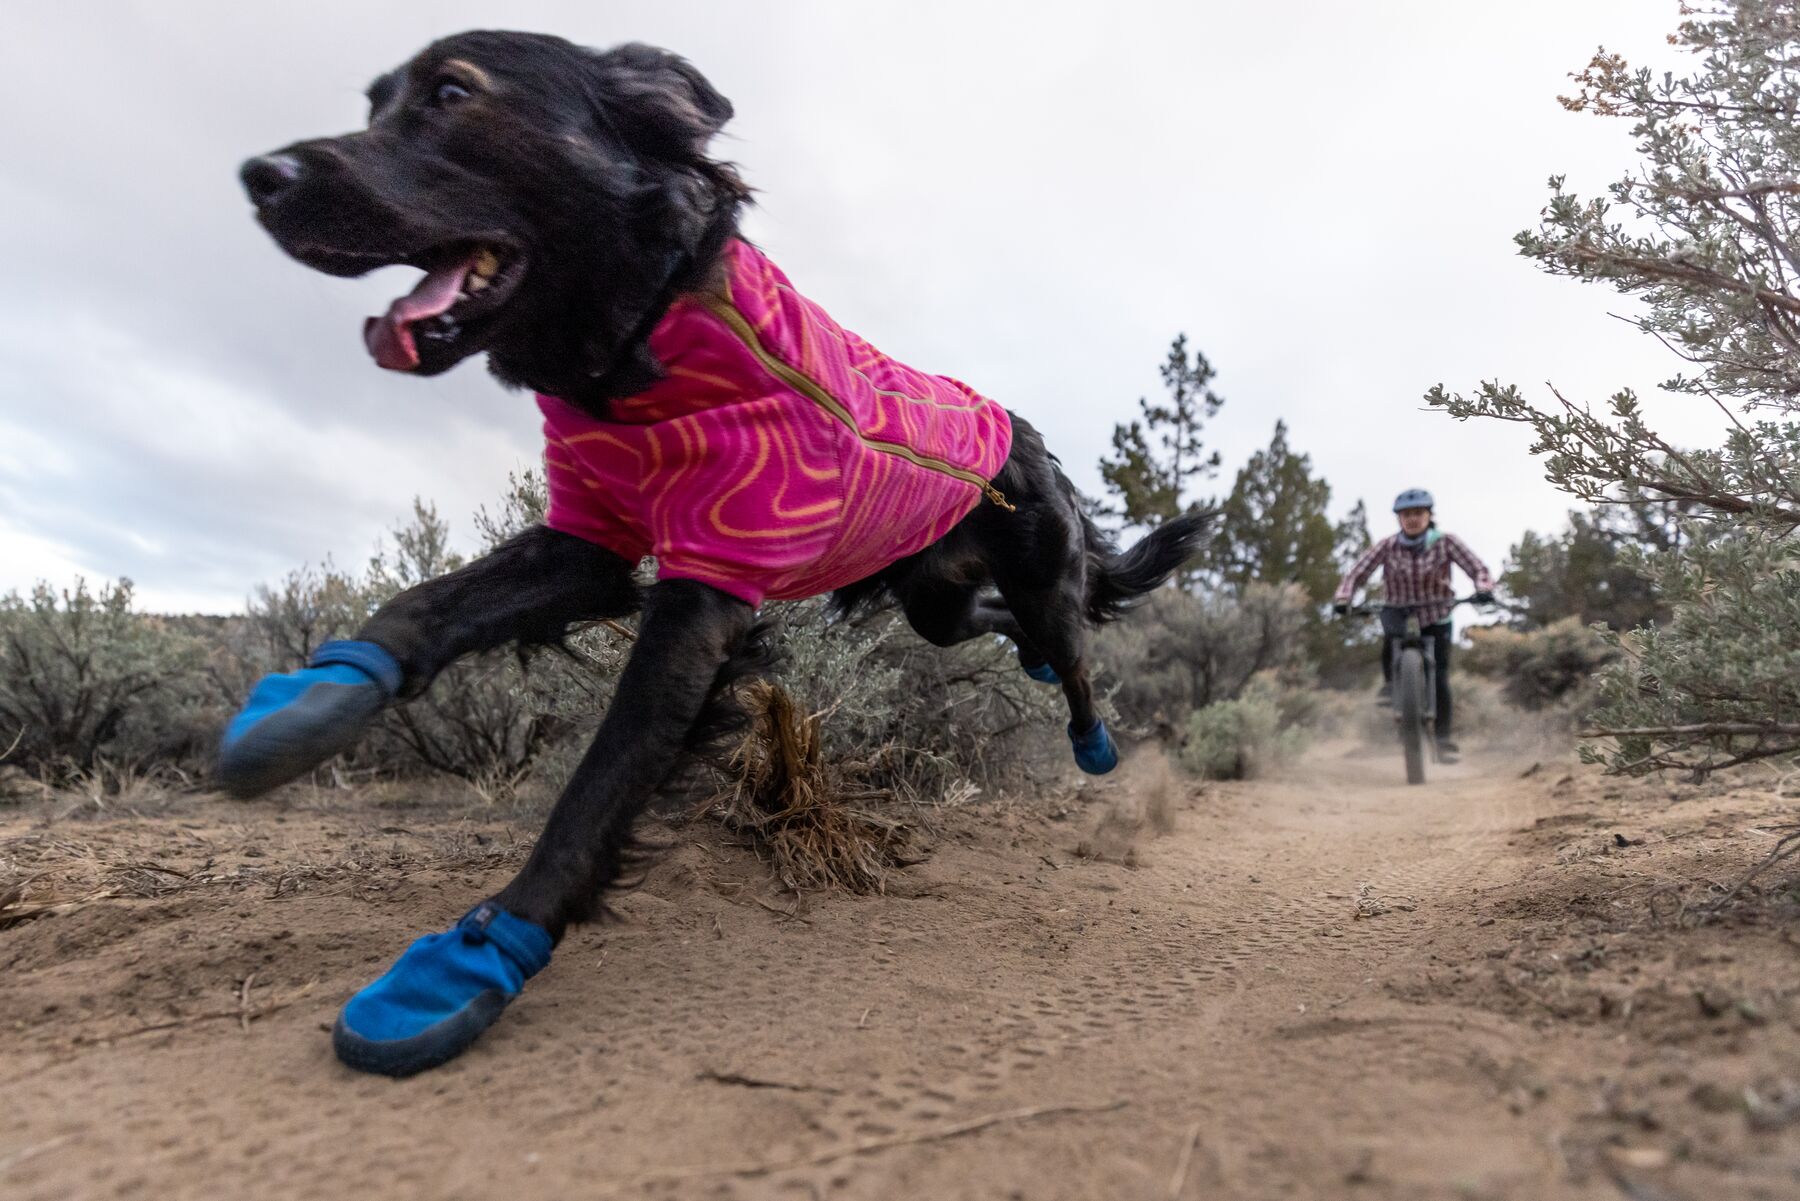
x=561, y=200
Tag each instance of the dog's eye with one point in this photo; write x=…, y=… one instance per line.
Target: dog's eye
x=447, y=93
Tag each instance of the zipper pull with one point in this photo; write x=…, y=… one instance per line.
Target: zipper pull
x=998, y=497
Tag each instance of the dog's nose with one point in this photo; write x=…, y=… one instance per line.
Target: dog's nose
x=268, y=176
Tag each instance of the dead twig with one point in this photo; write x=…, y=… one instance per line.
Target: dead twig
x=1704, y=729
x=13, y=909
x=244, y=1001
x=1786, y=847
x=752, y=1082
x=1369, y=905
x=1178, y=1181
x=237, y=1011
x=867, y=1146
x=23, y=1153
x=793, y=915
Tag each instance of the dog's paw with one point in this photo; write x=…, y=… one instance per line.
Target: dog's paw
x=1095, y=753
x=297, y=720
x=441, y=993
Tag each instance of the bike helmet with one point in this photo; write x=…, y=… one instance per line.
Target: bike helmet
x=1413, y=498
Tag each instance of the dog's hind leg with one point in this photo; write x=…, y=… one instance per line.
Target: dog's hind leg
x=447, y=988
x=1053, y=620
x=994, y=615
x=527, y=591
x=1040, y=568
x=945, y=602
x=946, y=613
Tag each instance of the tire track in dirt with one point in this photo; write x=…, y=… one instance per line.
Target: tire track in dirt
x=1225, y=980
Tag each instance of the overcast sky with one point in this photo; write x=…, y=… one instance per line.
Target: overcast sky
x=1031, y=197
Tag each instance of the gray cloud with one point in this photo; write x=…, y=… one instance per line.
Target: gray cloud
x=1034, y=198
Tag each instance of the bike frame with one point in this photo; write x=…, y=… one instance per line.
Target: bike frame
x=1412, y=637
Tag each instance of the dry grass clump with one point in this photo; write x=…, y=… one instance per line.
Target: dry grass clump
x=43, y=874
x=803, y=812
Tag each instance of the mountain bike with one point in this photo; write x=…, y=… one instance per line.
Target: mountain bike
x=1414, y=683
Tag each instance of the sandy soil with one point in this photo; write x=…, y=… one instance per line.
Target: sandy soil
x=1322, y=986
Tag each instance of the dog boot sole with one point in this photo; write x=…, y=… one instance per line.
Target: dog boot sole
x=436, y=1044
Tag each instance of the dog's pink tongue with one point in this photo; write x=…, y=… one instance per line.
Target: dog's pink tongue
x=389, y=337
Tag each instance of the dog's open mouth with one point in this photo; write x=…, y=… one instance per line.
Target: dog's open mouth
x=435, y=325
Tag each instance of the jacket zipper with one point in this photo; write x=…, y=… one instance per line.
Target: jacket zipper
x=739, y=325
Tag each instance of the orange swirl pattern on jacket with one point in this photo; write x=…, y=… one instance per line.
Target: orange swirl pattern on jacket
x=780, y=457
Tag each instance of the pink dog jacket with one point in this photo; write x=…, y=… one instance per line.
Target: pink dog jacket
x=781, y=456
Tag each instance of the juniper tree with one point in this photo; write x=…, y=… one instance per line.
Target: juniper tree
x=1155, y=458
x=1705, y=235
x=1273, y=527
x=1588, y=571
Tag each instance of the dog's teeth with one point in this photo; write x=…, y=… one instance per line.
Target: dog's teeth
x=475, y=283
x=486, y=263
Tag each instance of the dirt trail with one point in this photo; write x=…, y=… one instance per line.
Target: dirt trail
x=1325, y=986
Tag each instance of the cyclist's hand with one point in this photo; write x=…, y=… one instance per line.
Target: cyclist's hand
x=1341, y=608
x=1483, y=598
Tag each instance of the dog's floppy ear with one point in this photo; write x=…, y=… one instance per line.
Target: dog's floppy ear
x=657, y=101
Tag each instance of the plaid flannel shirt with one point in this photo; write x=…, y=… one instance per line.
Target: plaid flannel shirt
x=1410, y=577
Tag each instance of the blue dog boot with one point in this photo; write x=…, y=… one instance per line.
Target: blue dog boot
x=1095, y=753
x=1043, y=673
x=295, y=721
x=441, y=993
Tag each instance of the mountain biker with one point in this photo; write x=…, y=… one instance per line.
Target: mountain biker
x=1415, y=567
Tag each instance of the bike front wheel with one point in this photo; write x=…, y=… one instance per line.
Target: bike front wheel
x=1409, y=688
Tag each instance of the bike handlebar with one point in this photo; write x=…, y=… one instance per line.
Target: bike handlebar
x=1365, y=610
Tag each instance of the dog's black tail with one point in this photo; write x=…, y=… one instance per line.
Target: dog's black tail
x=1118, y=580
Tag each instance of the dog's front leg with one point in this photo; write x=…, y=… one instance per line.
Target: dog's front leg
x=528, y=591
x=447, y=988
x=688, y=633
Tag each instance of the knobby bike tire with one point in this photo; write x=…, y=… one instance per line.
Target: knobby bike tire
x=1409, y=687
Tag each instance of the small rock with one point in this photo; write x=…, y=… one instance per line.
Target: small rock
x=1639, y=1157
x=1715, y=1098
x=1748, y=1010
